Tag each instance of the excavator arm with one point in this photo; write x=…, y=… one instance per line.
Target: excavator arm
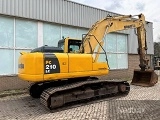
x=95, y=36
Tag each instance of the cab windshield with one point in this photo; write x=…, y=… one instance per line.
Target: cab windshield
x=73, y=45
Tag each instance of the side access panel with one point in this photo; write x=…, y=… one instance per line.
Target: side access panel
x=80, y=62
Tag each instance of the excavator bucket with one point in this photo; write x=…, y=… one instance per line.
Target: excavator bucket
x=144, y=78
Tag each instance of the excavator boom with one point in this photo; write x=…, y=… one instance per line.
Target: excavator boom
x=95, y=38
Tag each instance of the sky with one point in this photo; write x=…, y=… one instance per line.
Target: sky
x=150, y=8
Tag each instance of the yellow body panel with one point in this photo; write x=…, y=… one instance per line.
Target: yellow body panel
x=80, y=62
x=32, y=66
x=63, y=61
x=100, y=66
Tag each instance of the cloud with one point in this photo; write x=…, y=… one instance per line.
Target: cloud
x=149, y=8
x=114, y=4
x=140, y=6
x=156, y=20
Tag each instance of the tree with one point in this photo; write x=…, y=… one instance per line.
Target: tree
x=157, y=49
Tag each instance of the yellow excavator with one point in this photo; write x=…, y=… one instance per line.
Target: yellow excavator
x=67, y=73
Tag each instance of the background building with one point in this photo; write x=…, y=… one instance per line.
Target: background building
x=27, y=24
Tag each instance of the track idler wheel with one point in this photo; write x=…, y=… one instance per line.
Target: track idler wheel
x=35, y=90
x=122, y=88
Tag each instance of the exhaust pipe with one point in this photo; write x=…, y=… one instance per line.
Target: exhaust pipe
x=145, y=78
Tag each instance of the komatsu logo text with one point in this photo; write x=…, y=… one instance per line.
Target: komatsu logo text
x=129, y=26
x=21, y=66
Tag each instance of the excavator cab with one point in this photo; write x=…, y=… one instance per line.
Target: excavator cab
x=145, y=78
x=69, y=45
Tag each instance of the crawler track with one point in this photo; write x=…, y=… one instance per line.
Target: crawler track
x=55, y=97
